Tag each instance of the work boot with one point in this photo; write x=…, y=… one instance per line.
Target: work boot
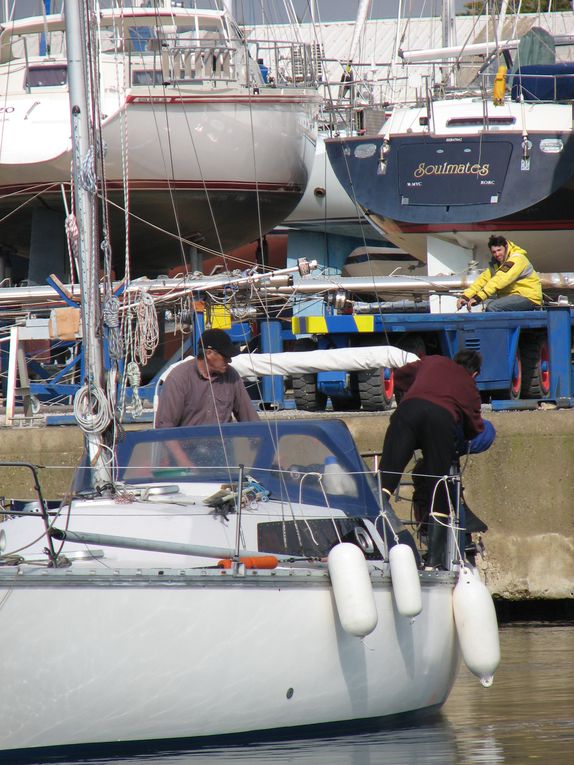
x=437, y=538
x=472, y=523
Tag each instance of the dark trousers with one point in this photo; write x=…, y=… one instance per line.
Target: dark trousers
x=419, y=424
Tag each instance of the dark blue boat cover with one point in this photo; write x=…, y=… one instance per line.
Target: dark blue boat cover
x=544, y=82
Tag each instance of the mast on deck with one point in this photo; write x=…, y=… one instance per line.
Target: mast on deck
x=91, y=405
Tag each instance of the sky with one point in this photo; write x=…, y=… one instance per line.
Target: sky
x=250, y=10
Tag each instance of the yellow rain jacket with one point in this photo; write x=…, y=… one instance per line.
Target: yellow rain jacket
x=514, y=276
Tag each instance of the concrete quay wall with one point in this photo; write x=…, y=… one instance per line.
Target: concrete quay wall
x=523, y=487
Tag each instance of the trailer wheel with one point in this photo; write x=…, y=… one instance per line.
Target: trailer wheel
x=535, y=367
x=307, y=397
x=515, y=387
x=376, y=387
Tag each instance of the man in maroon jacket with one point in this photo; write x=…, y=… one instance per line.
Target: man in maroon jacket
x=439, y=395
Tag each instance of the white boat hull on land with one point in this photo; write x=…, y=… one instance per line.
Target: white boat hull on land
x=212, y=157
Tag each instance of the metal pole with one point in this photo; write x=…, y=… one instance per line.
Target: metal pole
x=156, y=545
x=238, y=504
x=85, y=197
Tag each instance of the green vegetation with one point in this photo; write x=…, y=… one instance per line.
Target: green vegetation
x=476, y=7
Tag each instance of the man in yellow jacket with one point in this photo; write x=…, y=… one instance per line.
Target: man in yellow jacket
x=510, y=283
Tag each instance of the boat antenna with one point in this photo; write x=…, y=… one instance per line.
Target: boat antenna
x=91, y=406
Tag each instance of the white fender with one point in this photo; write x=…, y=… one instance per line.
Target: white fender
x=405, y=580
x=476, y=626
x=352, y=589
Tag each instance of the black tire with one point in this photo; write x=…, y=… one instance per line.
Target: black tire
x=307, y=397
x=376, y=394
x=535, y=367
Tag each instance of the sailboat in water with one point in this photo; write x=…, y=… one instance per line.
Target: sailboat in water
x=200, y=145
x=216, y=580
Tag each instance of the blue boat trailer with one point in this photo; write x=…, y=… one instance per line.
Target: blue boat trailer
x=527, y=355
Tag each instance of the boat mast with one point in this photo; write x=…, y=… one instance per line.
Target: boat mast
x=360, y=21
x=91, y=406
x=448, y=35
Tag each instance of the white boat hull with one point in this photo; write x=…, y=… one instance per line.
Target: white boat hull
x=198, y=171
x=150, y=623
x=202, y=156
x=326, y=207
x=133, y=658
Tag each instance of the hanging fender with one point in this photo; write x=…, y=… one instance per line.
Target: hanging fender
x=352, y=589
x=405, y=580
x=476, y=626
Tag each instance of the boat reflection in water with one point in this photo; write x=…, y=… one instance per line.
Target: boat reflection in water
x=432, y=742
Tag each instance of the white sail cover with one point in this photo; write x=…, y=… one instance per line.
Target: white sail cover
x=251, y=365
x=338, y=359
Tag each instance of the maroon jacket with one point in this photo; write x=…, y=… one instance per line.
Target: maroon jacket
x=445, y=383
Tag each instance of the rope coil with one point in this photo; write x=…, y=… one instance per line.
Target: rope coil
x=111, y=317
x=134, y=378
x=92, y=409
x=147, y=328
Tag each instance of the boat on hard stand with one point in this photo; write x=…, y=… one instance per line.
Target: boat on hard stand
x=199, y=147
x=216, y=580
x=494, y=157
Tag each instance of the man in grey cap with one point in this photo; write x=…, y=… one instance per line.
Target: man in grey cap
x=205, y=390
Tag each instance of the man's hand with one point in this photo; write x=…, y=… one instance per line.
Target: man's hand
x=468, y=302
x=462, y=301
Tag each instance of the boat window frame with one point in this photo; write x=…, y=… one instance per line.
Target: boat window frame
x=36, y=68
x=481, y=121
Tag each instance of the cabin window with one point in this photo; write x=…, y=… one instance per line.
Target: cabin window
x=46, y=76
x=312, y=537
x=147, y=77
x=140, y=37
x=479, y=121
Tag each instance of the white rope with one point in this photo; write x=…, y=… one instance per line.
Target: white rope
x=92, y=409
x=147, y=328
